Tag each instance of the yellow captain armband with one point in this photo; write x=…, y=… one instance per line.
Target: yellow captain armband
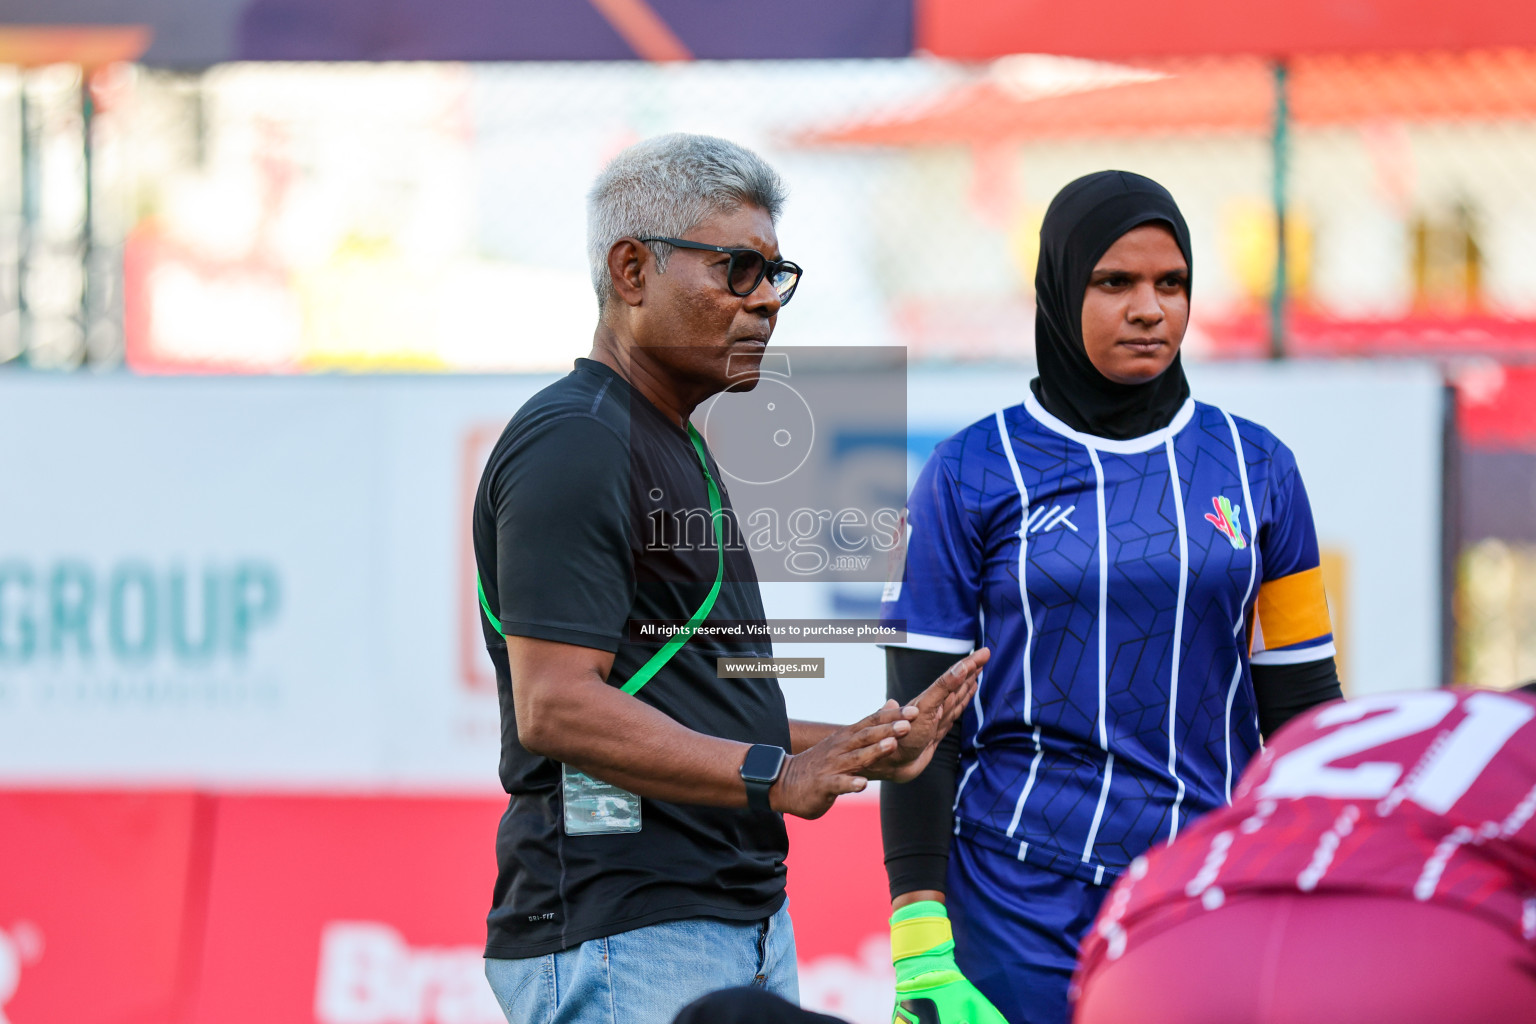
x=1293, y=609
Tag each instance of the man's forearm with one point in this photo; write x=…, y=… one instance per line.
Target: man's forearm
x=565, y=710
x=608, y=734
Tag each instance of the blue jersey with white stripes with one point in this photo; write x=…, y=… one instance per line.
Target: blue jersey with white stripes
x=1124, y=588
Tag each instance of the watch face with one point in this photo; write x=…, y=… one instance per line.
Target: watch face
x=762, y=763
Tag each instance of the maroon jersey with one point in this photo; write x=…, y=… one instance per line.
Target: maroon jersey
x=1419, y=796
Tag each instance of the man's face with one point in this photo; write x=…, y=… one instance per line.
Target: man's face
x=689, y=321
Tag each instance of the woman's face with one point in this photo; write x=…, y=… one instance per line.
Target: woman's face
x=1136, y=306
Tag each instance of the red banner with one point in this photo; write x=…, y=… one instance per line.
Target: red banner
x=98, y=897
x=978, y=29
x=840, y=903
x=349, y=910
x=148, y=908
x=1496, y=406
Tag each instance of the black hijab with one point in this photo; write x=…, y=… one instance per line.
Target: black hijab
x=1083, y=221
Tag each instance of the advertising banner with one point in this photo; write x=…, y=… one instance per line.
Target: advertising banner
x=179, y=908
x=348, y=911
x=840, y=904
x=100, y=899
x=267, y=583
x=225, y=582
x=379, y=914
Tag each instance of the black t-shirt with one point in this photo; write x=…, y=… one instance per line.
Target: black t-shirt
x=560, y=524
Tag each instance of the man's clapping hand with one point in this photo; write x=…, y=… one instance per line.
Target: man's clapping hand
x=932, y=714
x=894, y=743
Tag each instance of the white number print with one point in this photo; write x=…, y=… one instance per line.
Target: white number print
x=1491, y=721
x=1455, y=764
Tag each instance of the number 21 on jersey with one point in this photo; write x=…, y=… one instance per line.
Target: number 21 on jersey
x=1455, y=759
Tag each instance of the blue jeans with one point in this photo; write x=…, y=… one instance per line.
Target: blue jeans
x=647, y=975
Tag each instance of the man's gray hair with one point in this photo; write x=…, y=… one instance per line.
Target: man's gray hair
x=666, y=186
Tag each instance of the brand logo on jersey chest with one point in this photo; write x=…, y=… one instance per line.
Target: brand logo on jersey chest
x=1043, y=520
x=1228, y=520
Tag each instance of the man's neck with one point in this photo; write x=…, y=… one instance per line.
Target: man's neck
x=628, y=360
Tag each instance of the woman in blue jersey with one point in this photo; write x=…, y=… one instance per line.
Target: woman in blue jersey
x=1144, y=568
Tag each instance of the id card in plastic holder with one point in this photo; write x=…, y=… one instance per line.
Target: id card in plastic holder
x=594, y=807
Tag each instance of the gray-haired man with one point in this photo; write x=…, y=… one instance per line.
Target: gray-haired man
x=641, y=856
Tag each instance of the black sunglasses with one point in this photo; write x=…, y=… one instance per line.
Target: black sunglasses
x=747, y=269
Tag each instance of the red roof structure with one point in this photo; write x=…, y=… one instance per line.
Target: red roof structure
x=1124, y=29
x=1224, y=94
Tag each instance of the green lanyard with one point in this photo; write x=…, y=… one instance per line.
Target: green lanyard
x=676, y=641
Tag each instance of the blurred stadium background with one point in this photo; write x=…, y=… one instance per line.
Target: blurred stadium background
x=273, y=274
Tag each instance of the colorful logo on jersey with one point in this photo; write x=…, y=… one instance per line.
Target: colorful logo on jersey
x=1228, y=518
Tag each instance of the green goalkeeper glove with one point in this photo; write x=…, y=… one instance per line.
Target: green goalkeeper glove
x=929, y=987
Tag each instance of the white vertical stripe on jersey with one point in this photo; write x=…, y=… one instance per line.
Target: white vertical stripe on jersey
x=1098, y=497
x=961, y=789
x=981, y=619
x=981, y=713
x=1029, y=784
x=1109, y=759
x=1253, y=520
x=1237, y=676
x=1098, y=812
x=1253, y=569
x=1178, y=638
x=1029, y=620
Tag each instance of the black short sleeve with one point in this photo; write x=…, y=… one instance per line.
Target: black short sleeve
x=564, y=570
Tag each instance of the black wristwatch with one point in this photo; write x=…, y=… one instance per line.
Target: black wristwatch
x=760, y=771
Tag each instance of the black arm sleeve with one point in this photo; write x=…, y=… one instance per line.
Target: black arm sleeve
x=916, y=817
x=1285, y=691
